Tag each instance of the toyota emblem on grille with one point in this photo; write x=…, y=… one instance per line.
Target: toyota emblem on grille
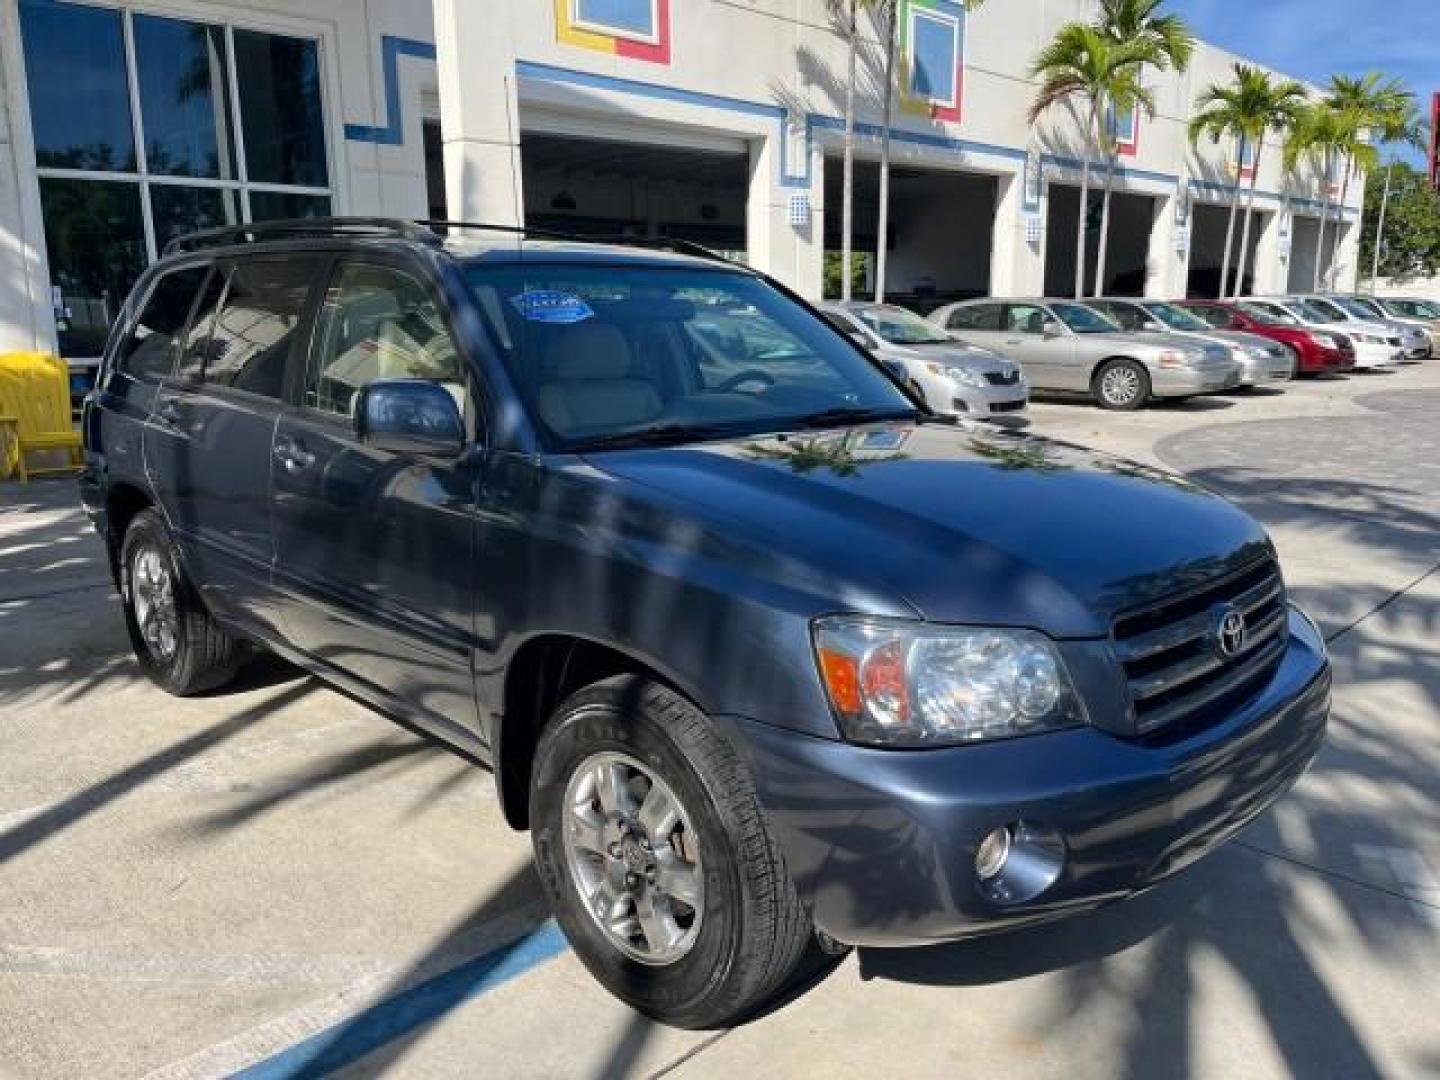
x=1228, y=625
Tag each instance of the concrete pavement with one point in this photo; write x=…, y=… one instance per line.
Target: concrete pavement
x=269, y=875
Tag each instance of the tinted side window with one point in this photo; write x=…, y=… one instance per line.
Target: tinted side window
x=255, y=327
x=148, y=351
x=1129, y=318
x=1025, y=319
x=197, y=338
x=378, y=323
x=978, y=317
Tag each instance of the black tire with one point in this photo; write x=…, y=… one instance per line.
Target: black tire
x=754, y=933
x=203, y=656
x=1121, y=385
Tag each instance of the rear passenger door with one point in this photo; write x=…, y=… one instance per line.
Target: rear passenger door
x=374, y=549
x=208, y=446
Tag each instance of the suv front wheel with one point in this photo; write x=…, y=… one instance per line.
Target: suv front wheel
x=657, y=859
x=175, y=640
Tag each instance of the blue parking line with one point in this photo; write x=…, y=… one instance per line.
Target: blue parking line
x=387, y=1020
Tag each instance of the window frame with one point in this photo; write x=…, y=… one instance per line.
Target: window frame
x=240, y=184
x=916, y=13
x=132, y=319
x=473, y=414
x=623, y=33
x=996, y=306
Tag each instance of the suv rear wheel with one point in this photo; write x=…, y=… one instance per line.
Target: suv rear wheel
x=175, y=640
x=657, y=858
x=1122, y=385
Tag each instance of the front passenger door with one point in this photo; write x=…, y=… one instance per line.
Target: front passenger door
x=1048, y=360
x=374, y=549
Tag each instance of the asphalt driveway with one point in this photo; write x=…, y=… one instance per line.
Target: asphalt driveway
x=275, y=879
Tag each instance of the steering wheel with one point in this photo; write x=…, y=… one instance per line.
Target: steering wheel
x=741, y=378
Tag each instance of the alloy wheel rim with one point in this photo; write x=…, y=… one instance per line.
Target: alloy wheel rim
x=633, y=858
x=1121, y=385
x=153, y=591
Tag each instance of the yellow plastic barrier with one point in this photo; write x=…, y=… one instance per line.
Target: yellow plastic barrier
x=35, y=413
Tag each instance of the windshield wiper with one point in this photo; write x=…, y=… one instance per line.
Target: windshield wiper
x=655, y=435
x=851, y=414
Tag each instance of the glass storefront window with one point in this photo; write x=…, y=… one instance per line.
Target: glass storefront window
x=177, y=210
x=95, y=235
x=184, y=102
x=280, y=109
x=76, y=54
x=129, y=158
x=279, y=205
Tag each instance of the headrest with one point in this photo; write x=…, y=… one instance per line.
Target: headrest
x=590, y=351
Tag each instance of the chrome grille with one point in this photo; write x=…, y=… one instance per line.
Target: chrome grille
x=1177, y=677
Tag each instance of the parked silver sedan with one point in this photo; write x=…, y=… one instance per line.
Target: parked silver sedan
x=952, y=376
x=1066, y=346
x=1261, y=360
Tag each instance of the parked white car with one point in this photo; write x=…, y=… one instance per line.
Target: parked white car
x=953, y=376
x=1376, y=346
x=1343, y=314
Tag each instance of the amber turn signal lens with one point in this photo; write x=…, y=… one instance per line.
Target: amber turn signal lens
x=842, y=680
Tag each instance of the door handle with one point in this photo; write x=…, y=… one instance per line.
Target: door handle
x=292, y=456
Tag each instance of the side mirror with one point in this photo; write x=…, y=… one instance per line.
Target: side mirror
x=410, y=416
x=859, y=339
x=1052, y=328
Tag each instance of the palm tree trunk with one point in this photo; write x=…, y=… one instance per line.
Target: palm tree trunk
x=882, y=244
x=1380, y=229
x=1104, y=242
x=1339, y=221
x=1229, y=238
x=1084, y=206
x=847, y=197
x=1245, y=229
x=1320, y=236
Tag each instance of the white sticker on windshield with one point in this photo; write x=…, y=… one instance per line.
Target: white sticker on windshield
x=549, y=306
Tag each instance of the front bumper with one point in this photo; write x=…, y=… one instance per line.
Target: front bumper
x=1374, y=356
x=977, y=403
x=1187, y=381
x=881, y=843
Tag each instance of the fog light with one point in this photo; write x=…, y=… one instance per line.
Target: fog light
x=1019, y=862
x=994, y=850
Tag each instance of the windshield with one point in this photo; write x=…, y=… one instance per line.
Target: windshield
x=1084, y=320
x=1320, y=311
x=1269, y=314
x=606, y=354
x=1359, y=311
x=1176, y=318
x=901, y=327
x=1215, y=317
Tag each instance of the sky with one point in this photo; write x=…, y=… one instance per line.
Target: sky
x=1312, y=39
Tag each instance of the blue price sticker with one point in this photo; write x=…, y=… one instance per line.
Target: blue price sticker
x=549, y=306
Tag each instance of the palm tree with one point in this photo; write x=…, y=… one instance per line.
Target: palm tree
x=1318, y=138
x=1365, y=106
x=889, y=11
x=1244, y=109
x=1406, y=129
x=1081, y=64
x=1168, y=40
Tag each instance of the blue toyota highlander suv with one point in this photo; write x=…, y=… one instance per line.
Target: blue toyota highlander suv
x=761, y=653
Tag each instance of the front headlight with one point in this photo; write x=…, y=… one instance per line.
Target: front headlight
x=1368, y=339
x=1329, y=341
x=1178, y=358
x=902, y=683
x=963, y=376
x=1255, y=352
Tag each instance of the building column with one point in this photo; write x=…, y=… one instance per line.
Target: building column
x=1272, y=272
x=479, y=113
x=27, y=321
x=1017, y=264
x=1347, y=257
x=1167, y=265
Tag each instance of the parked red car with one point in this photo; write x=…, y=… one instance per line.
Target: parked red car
x=1319, y=351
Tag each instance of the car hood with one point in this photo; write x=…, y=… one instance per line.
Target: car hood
x=963, y=524
x=957, y=353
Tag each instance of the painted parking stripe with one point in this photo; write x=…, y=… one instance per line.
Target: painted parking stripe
x=395, y=1016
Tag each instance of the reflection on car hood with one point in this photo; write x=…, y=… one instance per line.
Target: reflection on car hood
x=964, y=524
x=1143, y=339
x=1246, y=339
x=952, y=352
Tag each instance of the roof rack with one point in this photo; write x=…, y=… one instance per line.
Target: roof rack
x=256, y=232
x=424, y=231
